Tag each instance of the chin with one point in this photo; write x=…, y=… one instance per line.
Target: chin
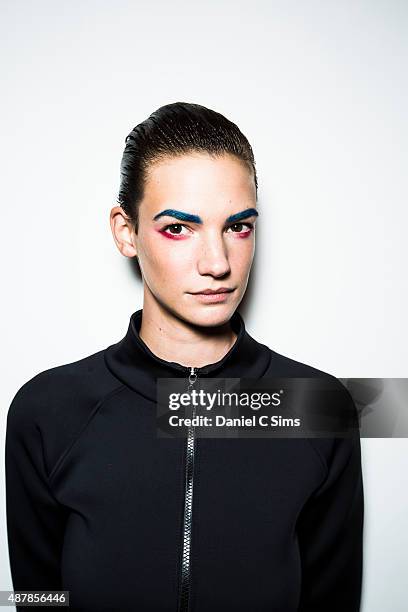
x=210, y=315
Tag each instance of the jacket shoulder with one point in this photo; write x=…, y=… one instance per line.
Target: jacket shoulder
x=325, y=447
x=281, y=365
x=84, y=379
x=54, y=405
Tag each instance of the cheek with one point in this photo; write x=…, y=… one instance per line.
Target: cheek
x=241, y=252
x=165, y=258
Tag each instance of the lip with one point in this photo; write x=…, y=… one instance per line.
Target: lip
x=211, y=297
x=214, y=291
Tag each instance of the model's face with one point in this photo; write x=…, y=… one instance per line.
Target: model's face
x=180, y=255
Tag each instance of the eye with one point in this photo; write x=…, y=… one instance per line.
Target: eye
x=177, y=226
x=250, y=227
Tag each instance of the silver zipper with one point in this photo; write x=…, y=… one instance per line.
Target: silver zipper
x=188, y=508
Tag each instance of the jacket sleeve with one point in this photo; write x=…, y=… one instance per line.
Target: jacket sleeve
x=35, y=519
x=330, y=534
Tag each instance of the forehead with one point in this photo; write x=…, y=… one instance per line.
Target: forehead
x=199, y=179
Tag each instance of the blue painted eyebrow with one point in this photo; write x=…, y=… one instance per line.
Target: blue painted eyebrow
x=244, y=214
x=183, y=216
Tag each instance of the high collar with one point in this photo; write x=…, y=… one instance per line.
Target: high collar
x=132, y=362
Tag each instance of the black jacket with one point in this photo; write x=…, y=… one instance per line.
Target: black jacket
x=97, y=504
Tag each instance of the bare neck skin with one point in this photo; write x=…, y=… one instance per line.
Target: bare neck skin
x=172, y=339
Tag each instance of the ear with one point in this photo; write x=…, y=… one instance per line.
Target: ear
x=122, y=231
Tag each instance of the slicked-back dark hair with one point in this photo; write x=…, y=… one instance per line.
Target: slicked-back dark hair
x=170, y=131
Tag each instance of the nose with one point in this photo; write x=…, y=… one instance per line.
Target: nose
x=213, y=255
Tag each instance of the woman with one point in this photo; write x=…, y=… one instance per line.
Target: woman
x=97, y=503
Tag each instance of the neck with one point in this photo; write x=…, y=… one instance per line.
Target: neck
x=174, y=339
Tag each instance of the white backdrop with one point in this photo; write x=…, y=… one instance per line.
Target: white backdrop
x=320, y=90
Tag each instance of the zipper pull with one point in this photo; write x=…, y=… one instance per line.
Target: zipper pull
x=192, y=376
